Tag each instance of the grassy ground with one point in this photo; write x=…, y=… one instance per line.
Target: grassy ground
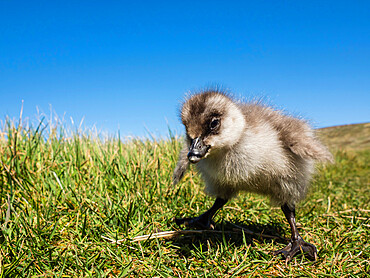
x=60, y=195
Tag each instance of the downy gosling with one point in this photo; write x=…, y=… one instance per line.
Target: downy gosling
x=239, y=146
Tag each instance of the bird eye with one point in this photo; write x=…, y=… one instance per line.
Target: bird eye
x=215, y=123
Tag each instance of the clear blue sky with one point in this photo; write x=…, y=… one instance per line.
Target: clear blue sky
x=127, y=64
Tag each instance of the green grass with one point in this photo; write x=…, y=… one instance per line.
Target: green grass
x=61, y=193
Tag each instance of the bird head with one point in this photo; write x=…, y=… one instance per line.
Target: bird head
x=213, y=122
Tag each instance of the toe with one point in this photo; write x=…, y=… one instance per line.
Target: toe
x=311, y=251
x=294, y=251
x=179, y=221
x=284, y=251
x=196, y=222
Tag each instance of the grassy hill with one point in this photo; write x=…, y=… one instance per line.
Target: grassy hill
x=63, y=200
x=347, y=137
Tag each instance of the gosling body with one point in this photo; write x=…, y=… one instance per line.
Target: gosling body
x=240, y=146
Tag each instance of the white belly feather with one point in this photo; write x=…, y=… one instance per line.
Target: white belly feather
x=254, y=164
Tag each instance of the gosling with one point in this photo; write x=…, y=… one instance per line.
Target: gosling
x=240, y=146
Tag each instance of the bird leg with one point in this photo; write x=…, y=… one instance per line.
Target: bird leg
x=204, y=221
x=296, y=244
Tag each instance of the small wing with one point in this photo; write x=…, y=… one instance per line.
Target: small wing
x=312, y=148
x=182, y=166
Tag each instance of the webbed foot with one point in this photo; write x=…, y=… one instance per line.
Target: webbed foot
x=296, y=246
x=200, y=222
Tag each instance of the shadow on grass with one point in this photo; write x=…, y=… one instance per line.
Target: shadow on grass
x=231, y=234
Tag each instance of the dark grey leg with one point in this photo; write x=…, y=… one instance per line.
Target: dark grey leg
x=296, y=244
x=204, y=221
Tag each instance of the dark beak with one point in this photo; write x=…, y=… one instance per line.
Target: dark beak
x=197, y=150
